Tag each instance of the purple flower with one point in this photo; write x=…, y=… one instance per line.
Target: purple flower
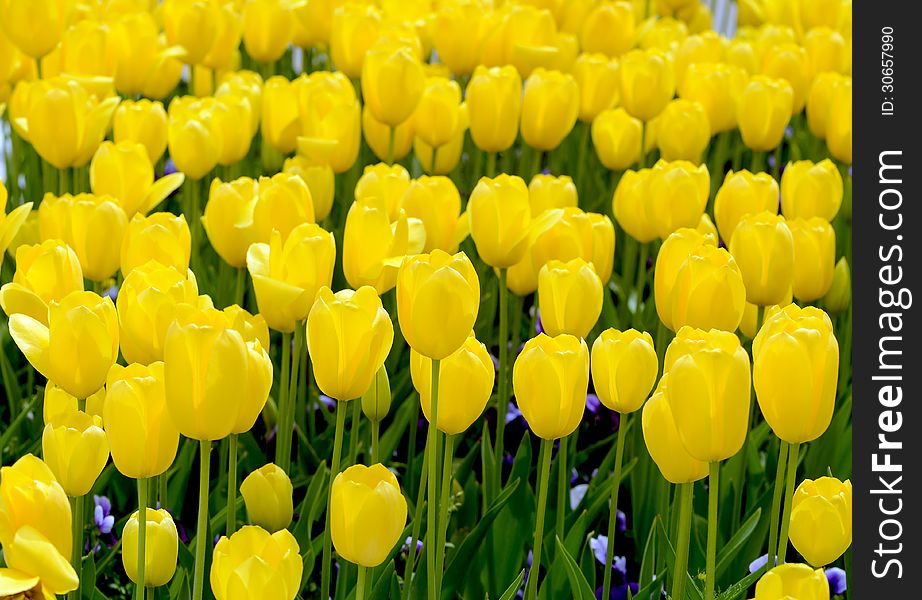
x=837, y=580
x=577, y=493
x=495, y=362
x=592, y=403
x=788, y=132
x=512, y=413
x=104, y=521
x=326, y=402
x=112, y=293
x=545, y=171
x=539, y=326
x=758, y=563
x=169, y=168
x=406, y=546
x=599, y=547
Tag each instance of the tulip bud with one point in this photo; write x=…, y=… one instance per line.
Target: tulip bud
x=708, y=291
x=330, y=121
x=683, y=131
x=192, y=24
x=228, y=218
x=376, y=401
x=283, y=203
x=570, y=297
x=494, y=101
x=287, y=275
x=31, y=497
x=392, y=84
x=794, y=579
x=608, y=29
x=143, y=122
x=438, y=113
x=763, y=111
x=821, y=519
x=162, y=237
x=717, y=87
x=436, y=202
x=598, y=80
x=741, y=194
x=142, y=438
x=161, y=547
x=624, y=368
x=368, y=512
x=254, y=562
x=814, y=257
x=647, y=83
x=465, y=383
x=811, y=190
x=550, y=105
x=708, y=392
x=664, y=443
x=550, y=378
x=76, y=450
x=616, y=138
x=194, y=144
x=763, y=247
x=354, y=28
x=267, y=29
x=839, y=124
x=678, y=194
x=58, y=404
x=819, y=100
x=500, y=217
x=267, y=493
x=45, y=272
x=839, y=297
x=791, y=63
x=799, y=345
x=386, y=182
x=349, y=334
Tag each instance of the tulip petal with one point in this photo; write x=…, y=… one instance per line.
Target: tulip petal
x=161, y=189
x=33, y=340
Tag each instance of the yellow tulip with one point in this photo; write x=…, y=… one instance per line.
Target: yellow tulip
x=319, y=179
x=793, y=580
x=665, y=34
x=459, y=29
x=267, y=29
x=683, y=131
x=438, y=114
x=811, y=190
x=603, y=246
x=436, y=202
x=314, y=18
x=267, y=494
x=821, y=519
x=36, y=27
x=598, y=80
x=672, y=255
x=31, y=497
x=708, y=291
x=562, y=234
x=663, y=441
x=819, y=100
x=193, y=139
x=616, y=137
x=799, y=345
x=14, y=66
x=647, y=83
x=569, y=296
x=448, y=156
x=388, y=183
x=287, y=275
x=142, y=438
x=76, y=450
x=349, y=334
x=85, y=51
x=376, y=401
x=548, y=191
x=12, y=222
x=162, y=236
x=465, y=383
x=377, y=135
x=550, y=107
x=281, y=124
x=438, y=296
x=678, y=194
x=839, y=297
x=763, y=247
x=192, y=24
x=609, y=29
x=741, y=53
x=236, y=85
x=44, y=273
x=124, y=171
x=708, y=47
x=743, y=193
x=228, y=219
x=392, y=84
x=254, y=562
x=228, y=112
x=525, y=37
x=791, y=63
x=77, y=347
x=224, y=51
x=708, y=392
x=827, y=50
x=550, y=378
x=144, y=122
x=763, y=111
x=58, y=404
x=353, y=30
x=36, y=569
x=500, y=218
x=624, y=368
x=494, y=100
x=161, y=547
x=368, y=514
x=717, y=87
x=283, y=202
x=839, y=125
x=330, y=121
x=814, y=257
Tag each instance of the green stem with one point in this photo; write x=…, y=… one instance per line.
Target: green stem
x=711, y=559
x=354, y=432
x=502, y=402
x=536, y=165
x=435, y=151
x=360, y=585
x=64, y=181
x=758, y=162
x=297, y=352
x=232, y=485
x=563, y=478
x=431, y=522
x=686, y=491
x=282, y=415
x=582, y=147
x=334, y=471
x=642, y=160
x=531, y=589
x=443, y=506
x=375, y=434
x=240, y=286
x=776, y=168
x=77, y=544
x=793, y=455
x=613, y=509
x=776, y=504
x=142, y=537
x=391, y=140
x=641, y=282
x=201, y=531
x=417, y=524
x=491, y=164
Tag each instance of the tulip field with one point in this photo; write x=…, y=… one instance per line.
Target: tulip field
x=253, y=248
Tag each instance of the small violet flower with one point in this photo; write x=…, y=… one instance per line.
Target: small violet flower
x=837, y=580
x=104, y=520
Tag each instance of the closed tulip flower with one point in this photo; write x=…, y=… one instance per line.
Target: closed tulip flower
x=791, y=63
x=142, y=61
x=194, y=144
x=799, y=345
x=267, y=29
x=267, y=493
x=616, y=137
x=548, y=191
x=465, y=383
x=494, y=101
x=763, y=247
x=228, y=31
x=254, y=562
x=378, y=136
x=142, y=438
x=36, y=27
x=603, y=245
x=763, y=111
x=708, y=47
x=683, y=131
x=228, y=112
x=124, y=171
x=609, y=29
x=438, y=113
x=76, y=450
x=436, y=202
x=77, y=347
x=793, y=580
x=228, y=219
x=839, y=297
x=624, y=368
x=392, y=84
x=598, y=80
x=647, y=83
x=162, y=236
x=811, y=190
x=349, y=334
x=161, y=547
x=709, y=388
x=814, y=257
x=708, y=291
x=448, y=156
x=669, y=260
x=570, y=297
x=839, y=125
x=192, y=24
x=717, y=87
x=500, y=218
x=144, y=122
x=523, y=36
x=368, y=514
x=678, y=194
x=550, y=106
x=562, y=234
x=30, y=496
x=665, y=34
x=550, y=378
x=743, y=193
x=821, y=519
x=459, y=29
x=438, y=296
x=45, y=273
x=819, y=100
x=827, y=50
x=330, y=121
x=280, y=115
x=354, y=28
x=319, y=179
x=664, y=443
x=283, y=202
x=387, y=182
x=287, y=275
